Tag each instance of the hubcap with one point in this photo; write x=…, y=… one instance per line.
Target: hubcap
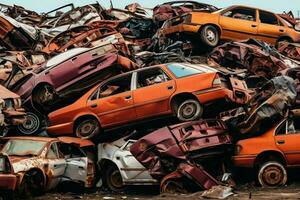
x=87, y=128
x=273, y=175
x=116, y=179
x=188, y=110
x=31, y=124
x=210, y=35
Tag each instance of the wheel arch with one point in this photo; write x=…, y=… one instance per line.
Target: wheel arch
x=269, y=155
x=219, y=29
x=83, y=117
x=34, y=169
x=37, y=87
x=177, y=98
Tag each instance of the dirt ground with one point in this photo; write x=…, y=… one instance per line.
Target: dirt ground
x=139, y=193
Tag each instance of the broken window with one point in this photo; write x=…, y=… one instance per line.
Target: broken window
x=70, y=151
x=293, y=125
x=19, y=147
x=182, y=70
x=150, y=77
x=113, y=87
x=268, y=18
x=241, y=13
x=52, y=152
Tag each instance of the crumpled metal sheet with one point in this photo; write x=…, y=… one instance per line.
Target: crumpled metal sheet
x=291, y=50
x=255, y=56
x=270, y=104
x=163, y=150
x=172, y=9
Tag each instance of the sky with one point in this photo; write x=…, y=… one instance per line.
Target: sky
x=39, y=6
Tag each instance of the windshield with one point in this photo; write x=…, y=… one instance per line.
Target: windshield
x=18, y=147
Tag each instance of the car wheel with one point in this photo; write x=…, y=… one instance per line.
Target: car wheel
x=33, y=124
x=272, y=174
x=87, y=129
x=113, y=179
x=210, y=36
x=189, y=110
x=32, y=184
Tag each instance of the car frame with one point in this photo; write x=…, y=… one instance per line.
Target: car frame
x=178, y=96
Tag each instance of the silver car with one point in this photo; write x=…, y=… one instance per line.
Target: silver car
x=120, y=168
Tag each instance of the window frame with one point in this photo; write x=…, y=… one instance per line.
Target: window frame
x=240, y=7
x=57, y=151
x=97, y=90
x=278, y=20
x=135, y=75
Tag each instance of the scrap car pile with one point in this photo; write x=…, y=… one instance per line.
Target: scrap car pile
x=224, y=84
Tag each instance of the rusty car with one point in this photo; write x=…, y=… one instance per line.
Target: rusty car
x=41, y=163
x=233, y=23
x=271, y=153
x=8, y=179
x=186, y=157
x=119, y=167
x=64, y=78
x=178, y=89
x=11, y=112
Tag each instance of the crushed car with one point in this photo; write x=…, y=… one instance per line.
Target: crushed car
x=11, y=112
x=269, y=154
x=271, y=102
x=63, y=79
x=119, y=168
x=41, y=163
x=181, y=155
x=166, y=89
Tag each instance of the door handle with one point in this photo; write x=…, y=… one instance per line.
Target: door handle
x=281, y=30
x=73, y=59
x=94, y=105
x=128, y=97
x=253, y=26
x=170, y=87
x=280, y=142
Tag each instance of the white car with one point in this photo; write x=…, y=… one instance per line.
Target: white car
x=120, y=168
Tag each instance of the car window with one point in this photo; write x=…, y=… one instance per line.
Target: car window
x=151, y=76
x=113, y=87
x=182, y=70
x=70, y=151
x=52, y=152
x=293, y=125
x=241, y=13
x=281, y=129
x=19, y=147
x=268, y=18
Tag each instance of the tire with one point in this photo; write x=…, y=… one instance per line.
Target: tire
x=272, y=174
x=210, y=36
x=188, y=110
x=33, y=125
x=32, y=184
x=87, y=129
x=113, y=179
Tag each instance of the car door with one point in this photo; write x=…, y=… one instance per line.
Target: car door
x=153, y=89
x=55, y=165
x=238, y=23
x=287, y=139
x=132, y=171
x=269, y=28
x=76, y=163
x=113, y=101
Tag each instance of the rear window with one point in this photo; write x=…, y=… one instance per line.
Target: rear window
x=182, y=70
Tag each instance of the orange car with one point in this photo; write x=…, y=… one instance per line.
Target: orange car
x=232, y=23
x=180, y=89
x=272, y=152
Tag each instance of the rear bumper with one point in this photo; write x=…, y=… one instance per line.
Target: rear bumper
x=211, y=94
x=243, y=161
x=7, y=182
x=193, y=28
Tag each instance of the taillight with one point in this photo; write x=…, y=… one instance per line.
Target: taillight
x=217, y=81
